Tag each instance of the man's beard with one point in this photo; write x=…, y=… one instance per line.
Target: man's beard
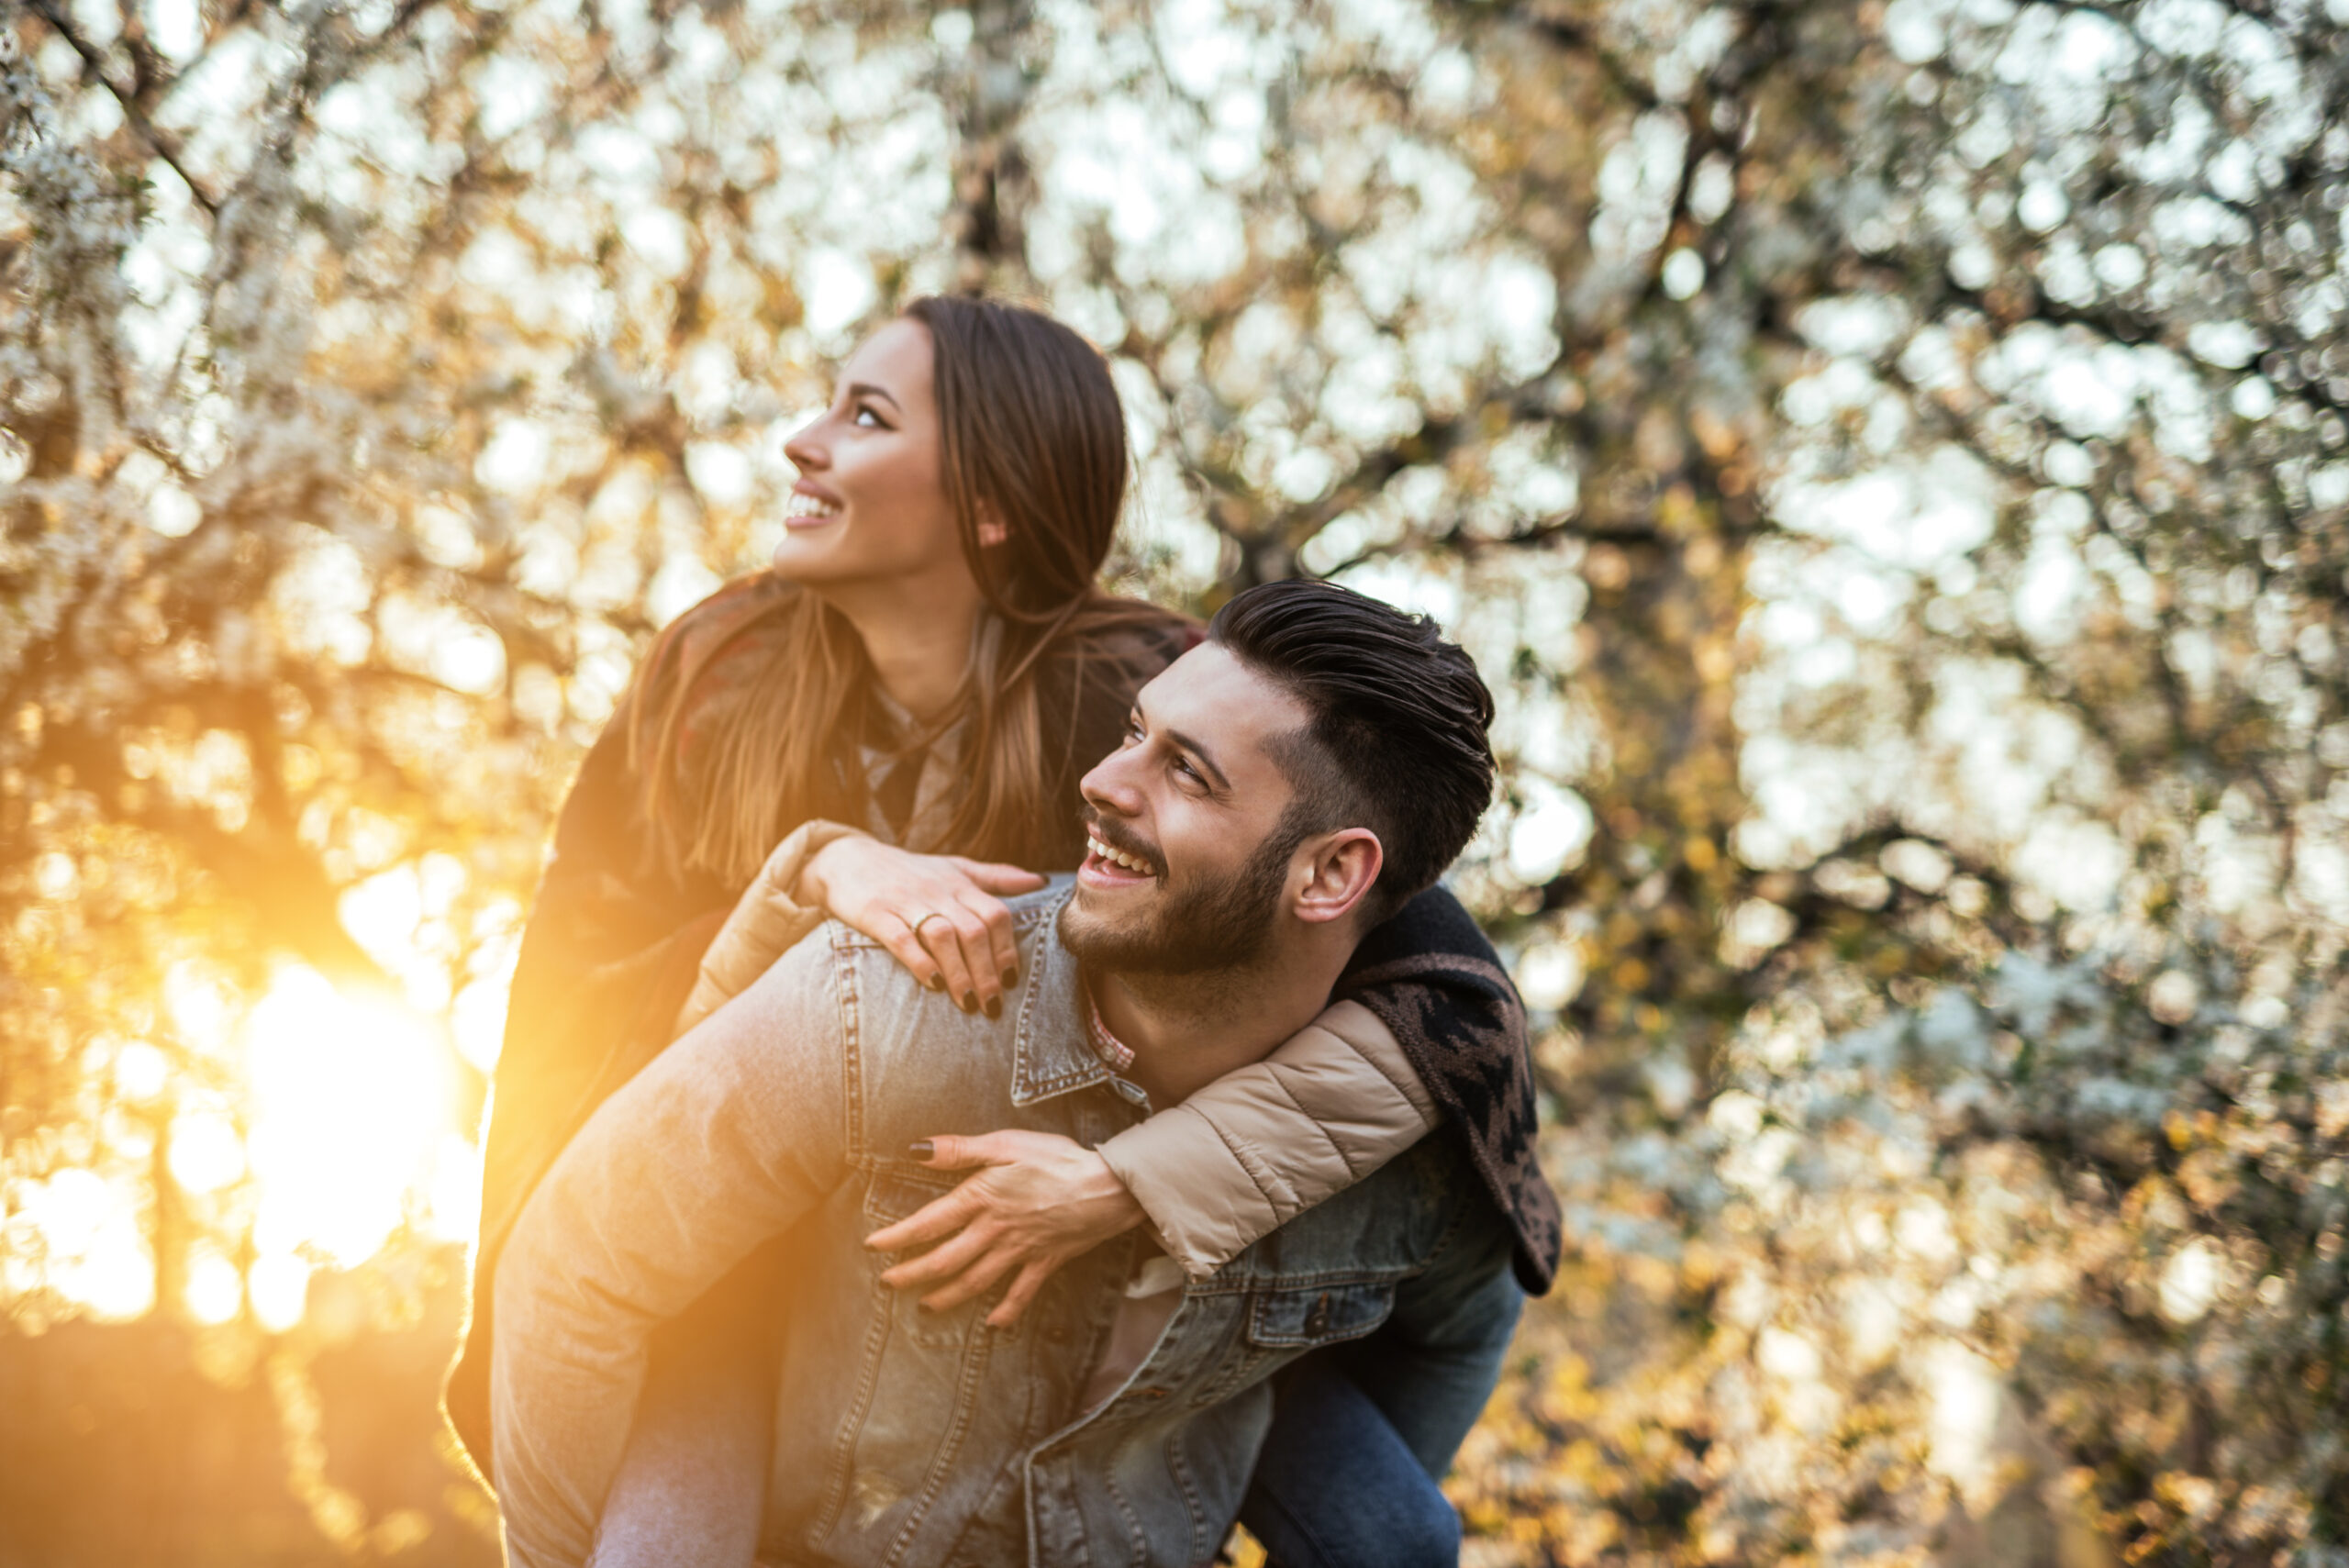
x=1206, y=924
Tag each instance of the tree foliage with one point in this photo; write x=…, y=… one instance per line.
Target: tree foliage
x=1889, y=458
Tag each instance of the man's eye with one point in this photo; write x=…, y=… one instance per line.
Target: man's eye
x=1183, y=766
x=1133, y=734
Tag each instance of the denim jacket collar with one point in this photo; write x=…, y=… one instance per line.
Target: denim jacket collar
x=1050, y=1053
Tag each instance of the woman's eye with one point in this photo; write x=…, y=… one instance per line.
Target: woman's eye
x=867, y=418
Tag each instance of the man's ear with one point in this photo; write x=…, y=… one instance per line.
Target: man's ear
x=993, y=529
x=1339, y=869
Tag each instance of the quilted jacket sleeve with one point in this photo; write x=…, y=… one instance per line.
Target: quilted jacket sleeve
x=1265, y=1143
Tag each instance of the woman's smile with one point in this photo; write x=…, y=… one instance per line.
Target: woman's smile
x=810, y=507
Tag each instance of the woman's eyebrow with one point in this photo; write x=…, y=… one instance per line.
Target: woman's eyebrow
x=866, y=389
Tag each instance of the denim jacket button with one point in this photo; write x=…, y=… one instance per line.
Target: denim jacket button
x=1317, y=1321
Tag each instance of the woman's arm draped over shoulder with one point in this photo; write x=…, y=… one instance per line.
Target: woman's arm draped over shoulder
x=1263, y=1144
x=1428, y=1028
x=766, y=922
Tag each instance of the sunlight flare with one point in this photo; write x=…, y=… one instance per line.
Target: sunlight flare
x=353, y=1105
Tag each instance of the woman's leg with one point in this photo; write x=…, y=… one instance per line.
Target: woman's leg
x=1337, y=1488
x=692, y=1491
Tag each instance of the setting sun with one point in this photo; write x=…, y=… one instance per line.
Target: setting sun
x=352, y=1109
x=339, y=1122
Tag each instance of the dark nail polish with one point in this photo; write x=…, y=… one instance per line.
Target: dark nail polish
x=936, y=983
x=995, y=1006
x=921, y=1149
x=1010, y=978
x=970, y=1002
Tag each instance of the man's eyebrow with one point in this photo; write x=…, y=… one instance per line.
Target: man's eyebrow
x=1207, y=758
x=866, y=389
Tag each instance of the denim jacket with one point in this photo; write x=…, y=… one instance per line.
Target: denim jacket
x=907, y=1437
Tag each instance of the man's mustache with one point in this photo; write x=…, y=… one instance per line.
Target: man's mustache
x=1146, y=854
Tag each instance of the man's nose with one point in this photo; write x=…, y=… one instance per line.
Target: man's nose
x=1113, y=786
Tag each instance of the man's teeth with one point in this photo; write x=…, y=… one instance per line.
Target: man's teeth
x=1116, y=857
x=804, y=506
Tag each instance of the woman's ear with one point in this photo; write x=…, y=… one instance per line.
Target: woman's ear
x=993, y=529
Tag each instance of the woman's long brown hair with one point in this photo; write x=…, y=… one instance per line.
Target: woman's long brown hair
x=1031, y=430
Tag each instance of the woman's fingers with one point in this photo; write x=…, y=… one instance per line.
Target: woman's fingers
x=1002, y=952
x=944, y=941
x=1023, y=1291
x=975, y=946
x=958, y=936
x=906, y=948
x=994, y=876
x=933, y=1221
x=943, y=1262
x=948, y=1152
x=975, y=1279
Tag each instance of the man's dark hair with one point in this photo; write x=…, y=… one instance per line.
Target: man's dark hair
x=1397, y=739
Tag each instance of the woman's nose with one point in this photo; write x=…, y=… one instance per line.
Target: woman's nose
x=806, y=448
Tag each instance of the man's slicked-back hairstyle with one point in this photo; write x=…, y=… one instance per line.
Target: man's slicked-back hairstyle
x=1397, y=742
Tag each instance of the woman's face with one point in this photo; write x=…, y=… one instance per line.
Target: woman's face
x=870, y=510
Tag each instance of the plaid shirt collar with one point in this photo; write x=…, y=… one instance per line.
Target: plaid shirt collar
x=1115, y=1053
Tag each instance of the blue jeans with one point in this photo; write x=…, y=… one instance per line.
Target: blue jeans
x=1347, y=1475
x=1337, y=1488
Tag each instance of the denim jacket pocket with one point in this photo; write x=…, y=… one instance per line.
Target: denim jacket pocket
x=1311, y=1315
x=920, y=1382
x=897, y=1190
x=1282, y=1324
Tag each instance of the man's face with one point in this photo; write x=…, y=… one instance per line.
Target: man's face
x=1190, y=810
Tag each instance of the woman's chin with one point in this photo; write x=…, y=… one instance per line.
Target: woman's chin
x=808, y=555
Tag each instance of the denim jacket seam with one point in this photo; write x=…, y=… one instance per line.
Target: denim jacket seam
x=976, y=1353
x=1136, y=1539
x=847, y=1000
x=1178, y=1466
x=843, y=1464
x=1321, y=1280
x=876, y=1338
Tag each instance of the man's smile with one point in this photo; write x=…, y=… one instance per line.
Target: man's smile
x=1106, y=865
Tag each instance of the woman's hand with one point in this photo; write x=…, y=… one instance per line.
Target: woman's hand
x=1041, y=1200
x=938, y=914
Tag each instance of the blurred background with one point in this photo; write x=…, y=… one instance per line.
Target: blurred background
x=1887, y=458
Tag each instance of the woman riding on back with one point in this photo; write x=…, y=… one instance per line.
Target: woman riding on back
x=888, y=727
